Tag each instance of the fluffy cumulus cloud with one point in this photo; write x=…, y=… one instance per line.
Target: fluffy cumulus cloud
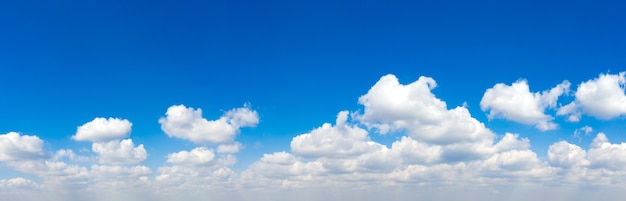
x=14, y=146
x=119, y=152
x=517, y=103
x=391, y=106
x=103, y=129
x=187, y=123
x=602, y=98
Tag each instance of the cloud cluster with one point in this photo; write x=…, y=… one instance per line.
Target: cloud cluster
x=106, y=135
x=436, y=147
x=442, y=146
x=26, y=154
x=202, y=167
x=441, y=142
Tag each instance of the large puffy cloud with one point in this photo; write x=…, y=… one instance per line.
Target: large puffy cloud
x=602, y=97
x=119, y=152
x=103, y=129
x=14, y=146
x=517, y=103
x=391, y=106
x=187, y=123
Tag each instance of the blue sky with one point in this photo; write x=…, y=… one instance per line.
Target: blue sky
x=295, y=66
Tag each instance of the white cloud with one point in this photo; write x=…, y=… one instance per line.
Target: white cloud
x=119, y=152
x=229, y=148
x=201, y=168
x=566, y=155
x=55, y=174
x=517, y=103
x=197, y=156
x=436, y=149
x=391, y=106
x=187, y=123
x=410, y=151
x=511, y=141
x=24, y=154
x=583, y=130
x=68, y=153
x=14, y=146
x=451, y=136
x=17, y=184
x=602, y=97
x=442, y=145
x=341, y=140
x=102, y=129
x=604, y=154
x=283, y=158
x=513, y=160
x=586, y=129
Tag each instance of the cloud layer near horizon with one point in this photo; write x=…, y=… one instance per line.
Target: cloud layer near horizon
x=438, y=147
